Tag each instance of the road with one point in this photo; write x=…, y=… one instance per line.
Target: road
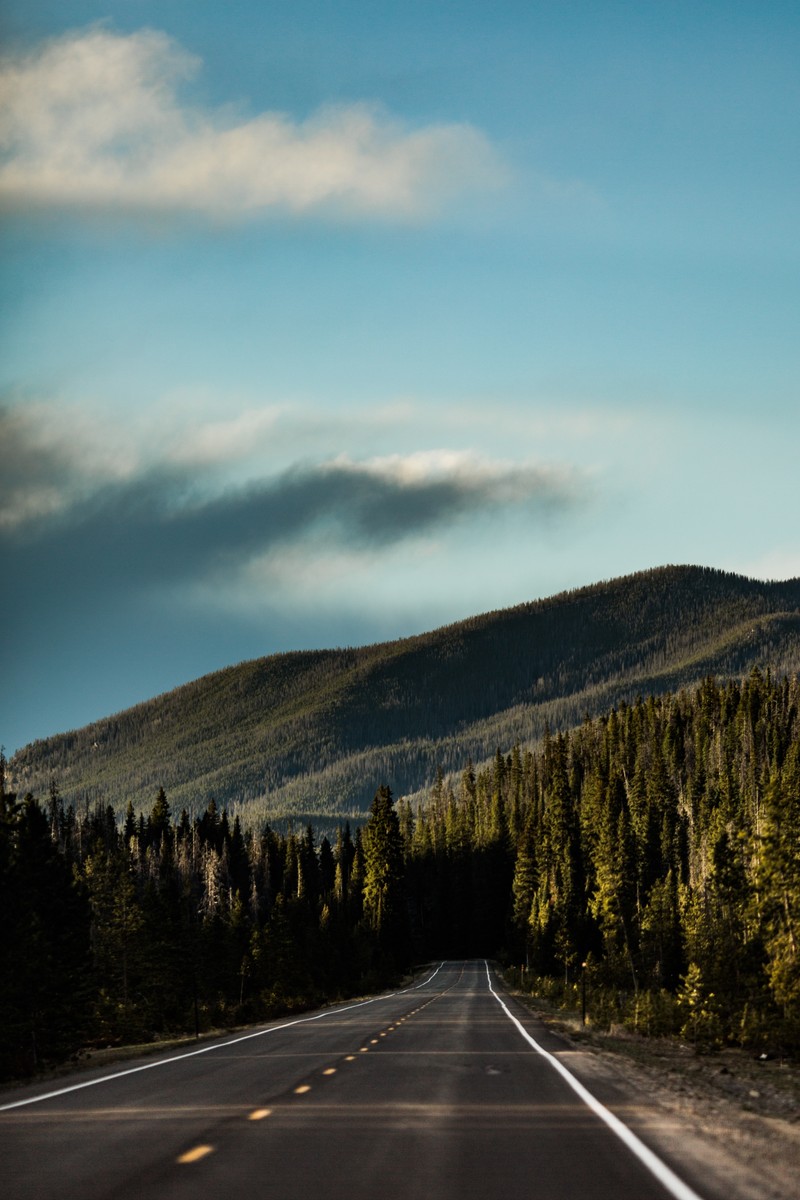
x=447, y=1089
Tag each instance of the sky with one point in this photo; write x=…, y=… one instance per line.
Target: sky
x=323, y=324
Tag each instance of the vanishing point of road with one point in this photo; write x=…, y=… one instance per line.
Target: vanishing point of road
x=446, y=1090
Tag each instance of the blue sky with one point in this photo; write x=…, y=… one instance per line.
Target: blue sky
x=324, y=324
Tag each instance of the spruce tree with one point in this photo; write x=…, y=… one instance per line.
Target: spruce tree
x=384, y=907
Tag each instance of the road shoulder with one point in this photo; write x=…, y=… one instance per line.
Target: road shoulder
x=730, y=1123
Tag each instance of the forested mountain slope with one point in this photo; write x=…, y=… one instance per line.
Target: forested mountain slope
x=310, y=735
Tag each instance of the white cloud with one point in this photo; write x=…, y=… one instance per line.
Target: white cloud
x=94, y=120
x=228, y=440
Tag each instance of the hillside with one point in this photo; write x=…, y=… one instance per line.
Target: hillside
x=310, y=735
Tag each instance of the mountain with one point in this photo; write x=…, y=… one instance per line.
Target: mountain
x=311, y=735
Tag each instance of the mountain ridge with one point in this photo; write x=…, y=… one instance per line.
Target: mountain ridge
x=309, y=735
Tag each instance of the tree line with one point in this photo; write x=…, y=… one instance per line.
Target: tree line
x=121, y=933
x=654, y=851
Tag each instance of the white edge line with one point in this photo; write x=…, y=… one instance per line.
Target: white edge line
x=664, y=1174
x=425, y=982
x=164, y=1062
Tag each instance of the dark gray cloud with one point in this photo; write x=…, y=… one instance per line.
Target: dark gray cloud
x=157, y=529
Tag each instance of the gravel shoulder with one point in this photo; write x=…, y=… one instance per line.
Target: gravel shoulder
x=733, y=1119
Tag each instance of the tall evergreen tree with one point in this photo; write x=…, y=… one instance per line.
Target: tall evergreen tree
x=384, y=900
x=44, y=942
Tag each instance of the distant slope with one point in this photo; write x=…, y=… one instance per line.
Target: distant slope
x=311, y=735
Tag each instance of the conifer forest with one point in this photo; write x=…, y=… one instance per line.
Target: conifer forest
x=646, y=863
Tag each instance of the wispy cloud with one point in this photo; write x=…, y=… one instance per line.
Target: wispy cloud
x=230, y=439
x=54, y=456
x=95, y=119
x=103, y=524
x=58, y=456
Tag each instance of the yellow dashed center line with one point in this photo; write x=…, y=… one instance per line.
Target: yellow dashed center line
x=329, y=1071
x=195, y=1154
x=258, y=1114
x=350, y=1058
x=363, y=1050
x=302, y=1089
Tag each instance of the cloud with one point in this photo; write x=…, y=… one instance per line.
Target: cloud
x=52, y=456
x=34, y=470
x=472, y=477
x=94, y=120
x=230, y=440
x=103, y=526
x=60, y=455
x=158, y=525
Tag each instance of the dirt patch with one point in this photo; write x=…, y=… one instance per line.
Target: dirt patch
x=733, y=1119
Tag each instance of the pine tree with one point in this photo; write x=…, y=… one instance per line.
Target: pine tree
x=779, y=886
x=523, y=888
x=327, y=870
x=44, y=949
x=159, y=827
x=384, y=908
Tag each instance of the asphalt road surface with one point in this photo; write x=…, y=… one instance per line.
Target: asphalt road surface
x=447, y=1090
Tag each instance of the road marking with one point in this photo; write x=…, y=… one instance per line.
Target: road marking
x=664, y=1174
x=430, y=977
x=259, y=1114
x=329, y=1071
x=302, y=1089
x=165, y=1062
x=195, y=1154
x=350, y=1058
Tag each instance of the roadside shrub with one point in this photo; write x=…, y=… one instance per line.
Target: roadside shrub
x=653, y=1014
x=701, y=1023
